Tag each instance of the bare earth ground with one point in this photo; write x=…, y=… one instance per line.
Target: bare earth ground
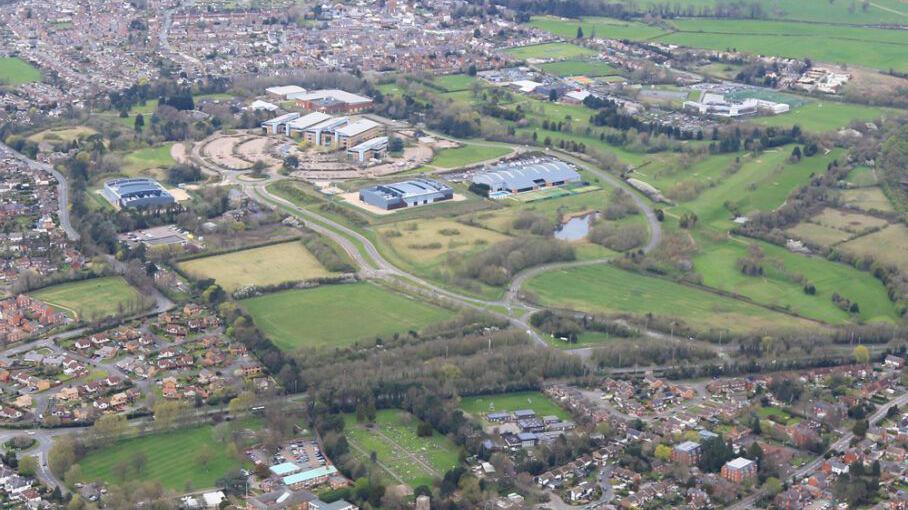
x=220, y=151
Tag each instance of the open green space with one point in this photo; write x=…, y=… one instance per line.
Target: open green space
x=785, y=275
x=468, y=154
x=607, y=28
x=92, y=298
x=454, y=82
x=403, y=456
x=141, y=161
x=171, y=458
x=266, y=265
x=338, y=315
x=480, y=405
x=554, y=51
x=608, y=289
x=888, y=246
x=15, y=71
x=590, y=68
x=63, y=134
x=778, y=415
x=822, y=116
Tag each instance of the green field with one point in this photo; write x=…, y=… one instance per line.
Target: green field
x=141, y=161
x=267, y=265
x=780, y=285
x=403, y=456
x=15, y=71
x=556, y=51
x=607, y=289
x=63, y=134
x=172, y=458
x=780, y=415
x=596, y=27
x=881, y=49
x=579, y=68
x=822, y=116
x=88, y=299
x=481, y=405
x=454, y=82
x=467, y=155
x=338, y=315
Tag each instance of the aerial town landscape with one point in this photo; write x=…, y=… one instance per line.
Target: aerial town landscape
x=454, y=254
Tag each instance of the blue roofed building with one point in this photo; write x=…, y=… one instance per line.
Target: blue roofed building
x=406, y=194
x=309, y=478
x=136, y=192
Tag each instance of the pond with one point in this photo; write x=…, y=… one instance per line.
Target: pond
x=575, y=228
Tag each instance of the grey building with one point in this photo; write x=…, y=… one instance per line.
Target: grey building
x=517, y=177
x=406, y=194
x=136, y=192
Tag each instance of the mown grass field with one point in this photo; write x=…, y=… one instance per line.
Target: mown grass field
x=408, y=458
x=87, y=299
x=550, y=51
x=467, y=155
x=537, y=401
x=781, y=284
x=822, y=116
x=454, y=82
x=426, y=242
x=338, y=315
x=867, y=199
x=596, y=27
x=607, y=289
x=266, y=265
x=579, y=68
x=142, y=161
x=886, y=246
x=65, y=134
x=172, y=458
x=15, y=71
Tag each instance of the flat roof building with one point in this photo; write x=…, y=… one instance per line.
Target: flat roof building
x=520, y=177
x=331, y=101
x=283, y=91
x=136, y=192
x=356, y=132
x=406, y=194
x=309, y=478
x=305, y=122
x=322, y=134
x=369, y=150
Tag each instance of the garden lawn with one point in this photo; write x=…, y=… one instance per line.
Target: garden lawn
x=408, y=458
x=92, y=298
x=171, y=459
x=15, y=71
x=467, y=155
x=266, y=265
x=608, y=289
x=338, y=315
x=554, y=51
x=537, y=401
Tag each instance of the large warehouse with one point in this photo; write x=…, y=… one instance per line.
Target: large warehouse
x=331, y=101
x=518, y=177
x=137, y=192
x=406, y=194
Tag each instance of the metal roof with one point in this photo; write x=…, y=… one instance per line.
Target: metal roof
x=516, y=176
x=307, y=121
x=338, y=95
x=312, y=474
x=355, y=128
x=372, y=143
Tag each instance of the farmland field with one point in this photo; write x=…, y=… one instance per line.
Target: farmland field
x=550, y=51
x=403, y=456
x=537, y=401
x=818, y=234
x=267, y=265
x=821, y=116
x=887, y=246
x=15, y=71
x=867, y=199
x=596, y=27
x=338, y=315
x=426, y=241
x=467, y=155
x=579, y=67
x=171, y=459
x=65, y=134
x=92, y=298
x=607, y=289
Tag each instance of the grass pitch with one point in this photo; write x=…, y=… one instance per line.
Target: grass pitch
x=579, y=68
x=172, y=458
x=143, y=160
x=537, y=401
x=89, y=299
x=338, y=315
x=403, y=456
x=15, y=71
x=467, y=155
x=266, y=265
x=550, y=51
x=596, y=27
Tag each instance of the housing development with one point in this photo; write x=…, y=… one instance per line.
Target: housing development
x=453, y=254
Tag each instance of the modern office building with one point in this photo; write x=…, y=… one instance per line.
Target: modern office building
x=406, y=194
x=331, y=101
x=278, y=124
x=136, y=192
x=373, y=149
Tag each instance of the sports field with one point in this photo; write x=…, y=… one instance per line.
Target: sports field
x=267, y=265
x=90, y=299
x=579, y=68
x=15, y=71
x=171, y=458
x=596, y=27
x=338, y=315
x=822, y=116
x=782, y=283
x=141, y=161
x=481, y=405
x=554, y=51
x=402, y=455
x=454, y=82
x=468, y=155
x=607, y=289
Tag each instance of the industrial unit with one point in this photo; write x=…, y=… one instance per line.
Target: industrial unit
x=331, y=101
x=518, y=177
x=136, y=192
x=406, y=194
